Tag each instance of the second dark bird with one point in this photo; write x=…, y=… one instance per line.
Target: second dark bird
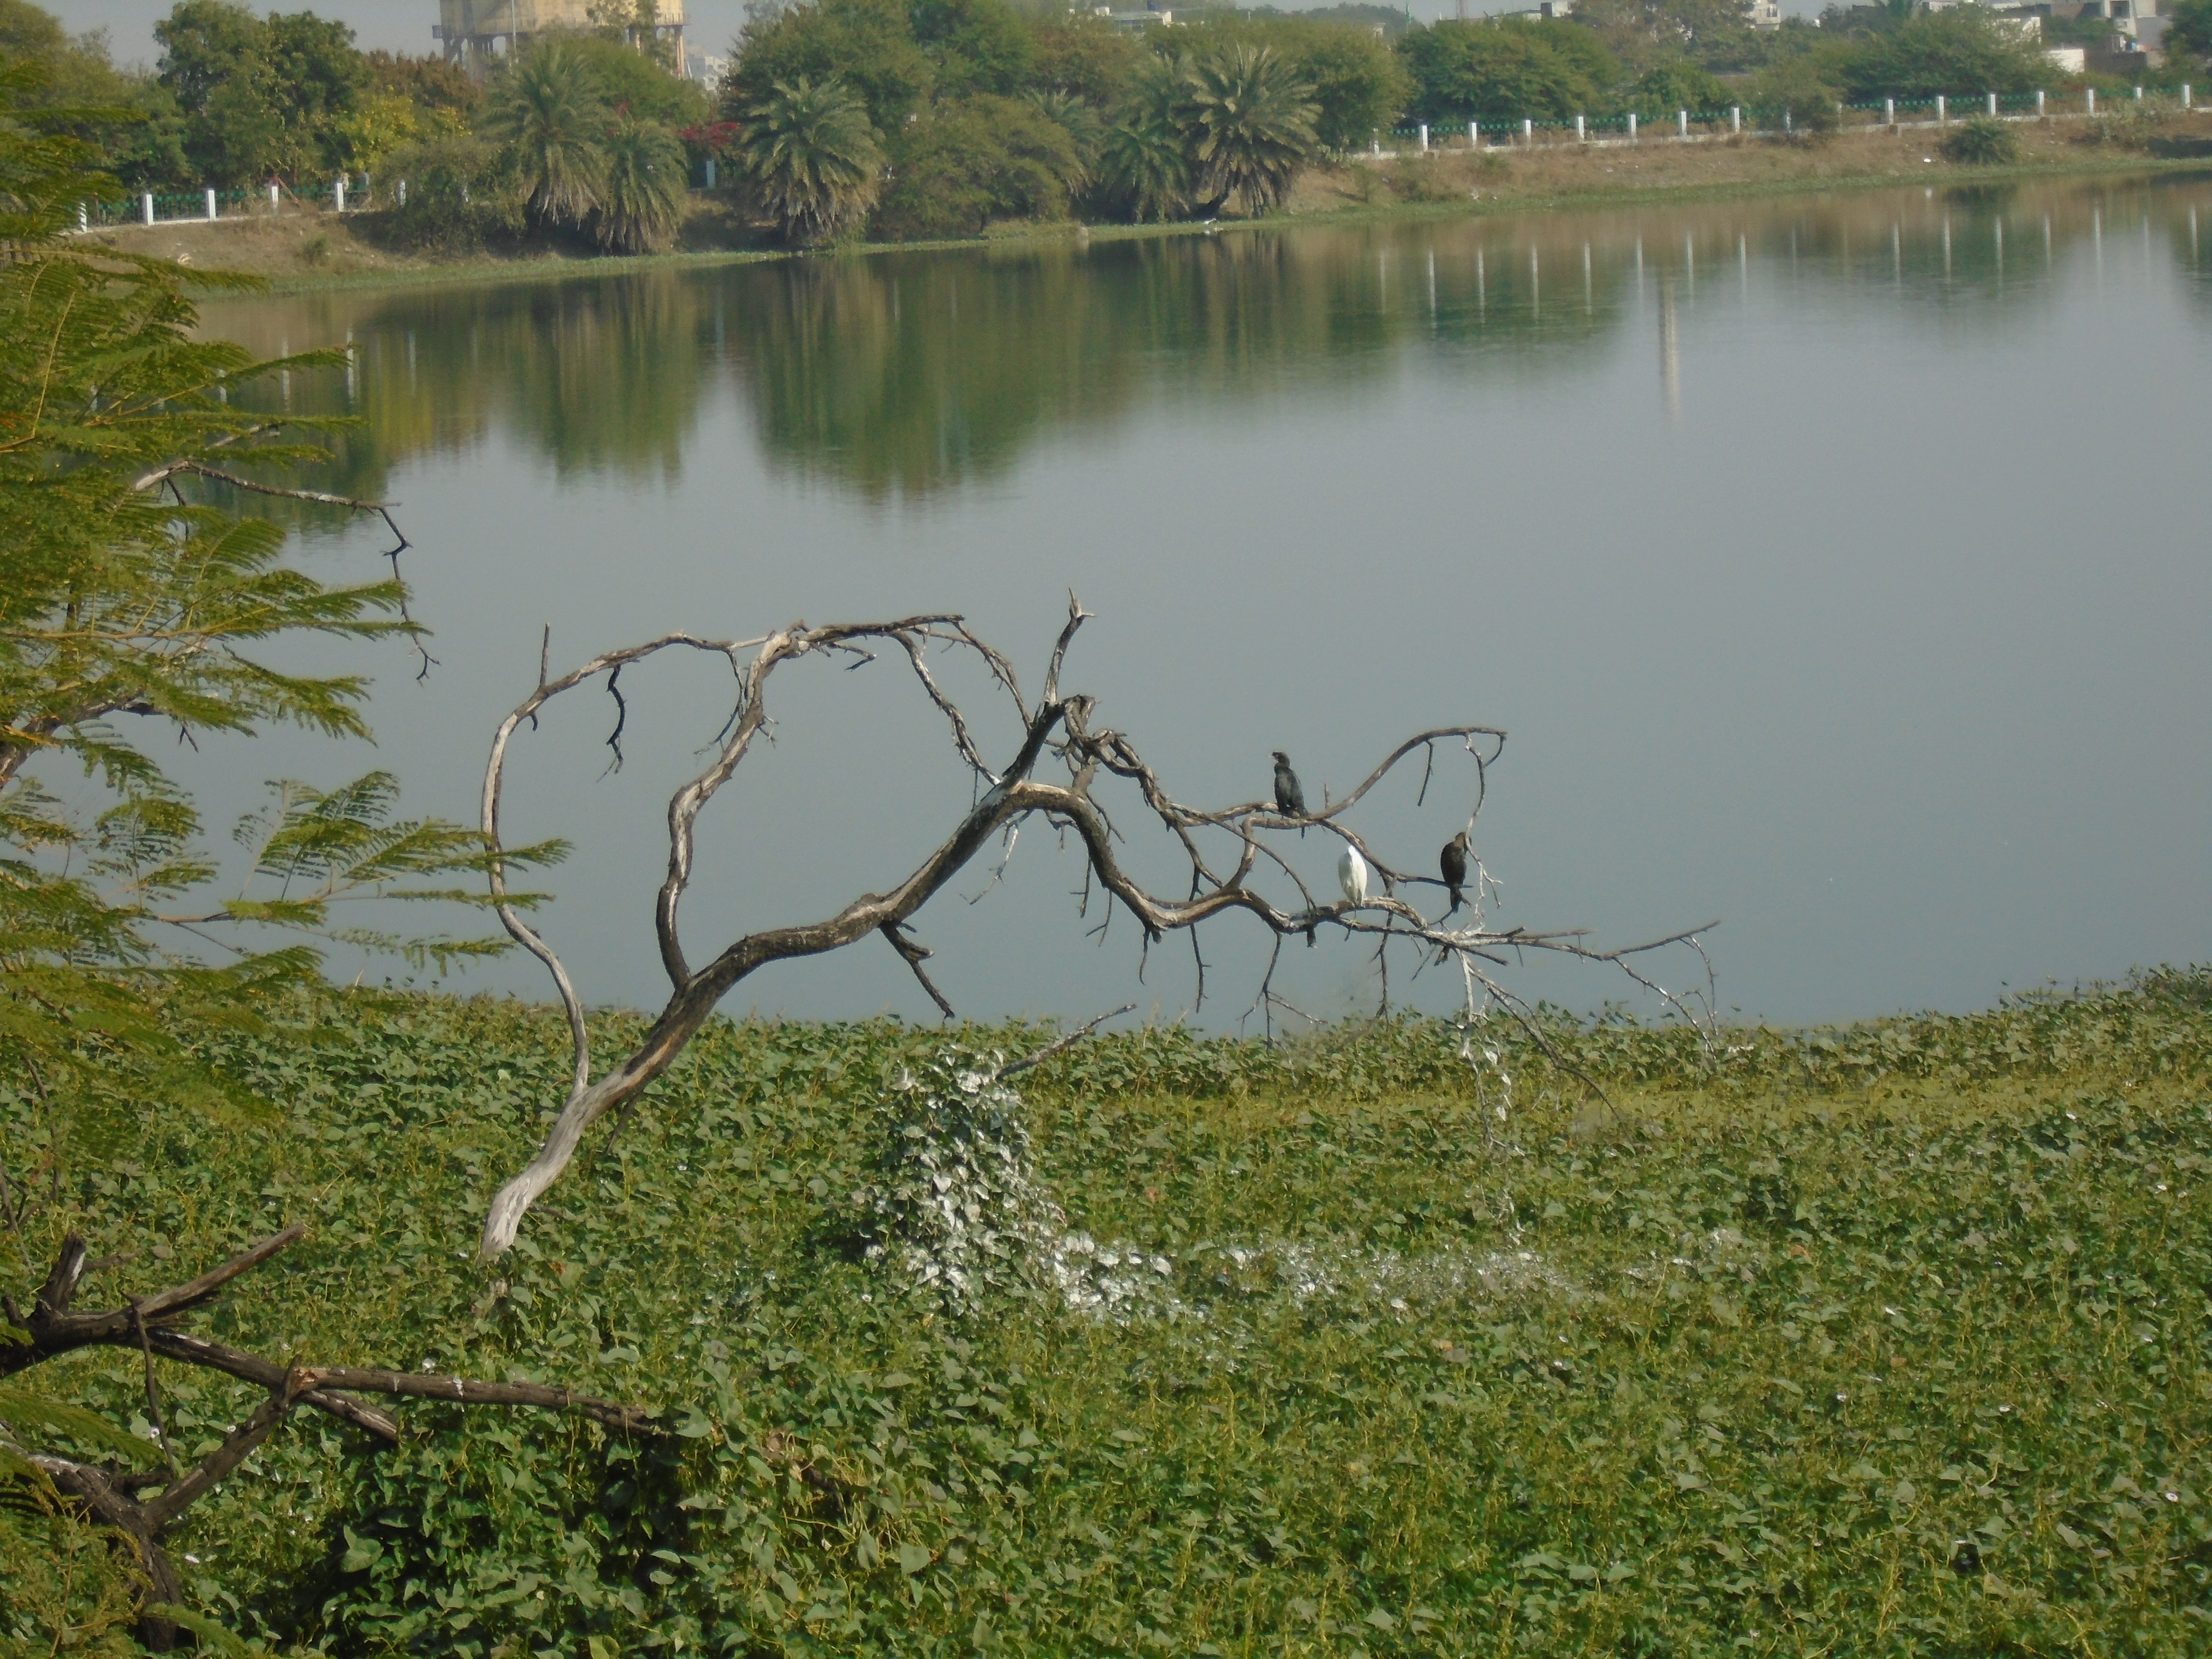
x=1289, y=799
x=1452, y=861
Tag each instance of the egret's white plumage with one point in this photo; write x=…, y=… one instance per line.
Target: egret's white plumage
x=1351, y=874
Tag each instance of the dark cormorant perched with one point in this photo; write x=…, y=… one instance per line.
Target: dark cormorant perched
x=1453, y=862
x=1289, y=799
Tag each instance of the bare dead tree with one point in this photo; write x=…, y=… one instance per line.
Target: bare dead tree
x=1226, y=848
x=112, y=1494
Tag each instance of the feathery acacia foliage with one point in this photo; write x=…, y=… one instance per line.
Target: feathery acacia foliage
x=130, y=600
x=812, y=157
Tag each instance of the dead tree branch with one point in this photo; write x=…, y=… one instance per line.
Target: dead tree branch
x=109, y=1495
x=1224, y=847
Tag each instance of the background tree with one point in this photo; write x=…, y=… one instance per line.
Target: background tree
x=635, y=25
x=1802, y=87
x=258, y=96
x=867, y=46
x=1248, y=122
x=1962, y=52
x=810, y=157
x=1358, y=83
x=1499, y=73
x=633, y=79
x=1142, y=164
x=976, y=45
x=2189, y=35
x=1676, y=82
x=642, y=190
x=1085, y=55
x=549, y=108
x=975, y=160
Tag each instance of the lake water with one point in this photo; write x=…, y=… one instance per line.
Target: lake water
x=1839, y=565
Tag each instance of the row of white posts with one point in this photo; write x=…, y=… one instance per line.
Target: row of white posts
x=146, y=202
x=1681, y=125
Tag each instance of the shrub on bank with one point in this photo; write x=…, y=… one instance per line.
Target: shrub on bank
x=1981, y=142
x=463, y=196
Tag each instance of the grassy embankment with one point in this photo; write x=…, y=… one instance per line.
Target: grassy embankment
x=1886, y=1340
x=314, y=250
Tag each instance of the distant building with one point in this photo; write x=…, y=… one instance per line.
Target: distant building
x=706, y=67
x=1149, y=18
x=475, y=31
x=2131, y=19
x=1764, y=14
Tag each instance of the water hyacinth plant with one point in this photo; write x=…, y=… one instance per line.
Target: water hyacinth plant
x=955, y=1206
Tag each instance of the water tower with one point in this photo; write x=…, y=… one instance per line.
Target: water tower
x=476, y=31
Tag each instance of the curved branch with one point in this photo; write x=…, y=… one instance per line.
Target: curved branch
x=1014, y=795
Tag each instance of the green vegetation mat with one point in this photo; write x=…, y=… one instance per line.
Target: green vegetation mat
x=1884, y=1341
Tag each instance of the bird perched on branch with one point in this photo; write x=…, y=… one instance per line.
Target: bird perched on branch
x=1351, y=874
x=1453, y=862
x=1289, y=799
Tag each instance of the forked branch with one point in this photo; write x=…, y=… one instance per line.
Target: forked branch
x=109, y=1493
x=1225, y=848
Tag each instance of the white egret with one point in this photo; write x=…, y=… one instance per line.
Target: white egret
x=1351, y=874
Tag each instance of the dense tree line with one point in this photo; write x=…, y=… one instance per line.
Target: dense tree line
x=924, y=119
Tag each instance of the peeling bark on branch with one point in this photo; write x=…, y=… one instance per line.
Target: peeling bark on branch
x=1055, y=725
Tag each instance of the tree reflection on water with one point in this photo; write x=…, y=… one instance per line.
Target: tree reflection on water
x=899, y=375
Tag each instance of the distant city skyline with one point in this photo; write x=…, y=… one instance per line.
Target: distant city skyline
x=405, y=25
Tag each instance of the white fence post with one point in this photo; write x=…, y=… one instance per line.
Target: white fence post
x=1631, y=126
x=1682, y=124
x=83, y=217
x=2039, y=103
x=1889, y=111
x=1736, y=117
x=1580, y=134
x=1993, y=103
x=2138, y=94
x=2093, y=100
x=1424, y=138
x=146, y=206
x=1942, y=116
x=2185, y=94
x=403, y=192
x=710, y=172
x=273, y=204
x=1528, y=131
x=338, y=195
x=210, y=205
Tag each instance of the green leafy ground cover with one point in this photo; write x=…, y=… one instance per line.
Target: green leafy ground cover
x=1884, y=1340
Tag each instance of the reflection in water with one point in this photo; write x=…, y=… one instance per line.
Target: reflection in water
x=903, y=375
x=1836, y=562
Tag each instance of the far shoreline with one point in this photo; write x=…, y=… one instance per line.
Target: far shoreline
x=199, y=243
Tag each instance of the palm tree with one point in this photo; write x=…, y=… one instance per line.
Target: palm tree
x=549, y=108
x=1248, y=121
x=1144, y=159
x=642, y=191
x=1073, y=116
x=812, y=156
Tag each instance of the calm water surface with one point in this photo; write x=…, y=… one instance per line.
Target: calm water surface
x=1838, y=566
